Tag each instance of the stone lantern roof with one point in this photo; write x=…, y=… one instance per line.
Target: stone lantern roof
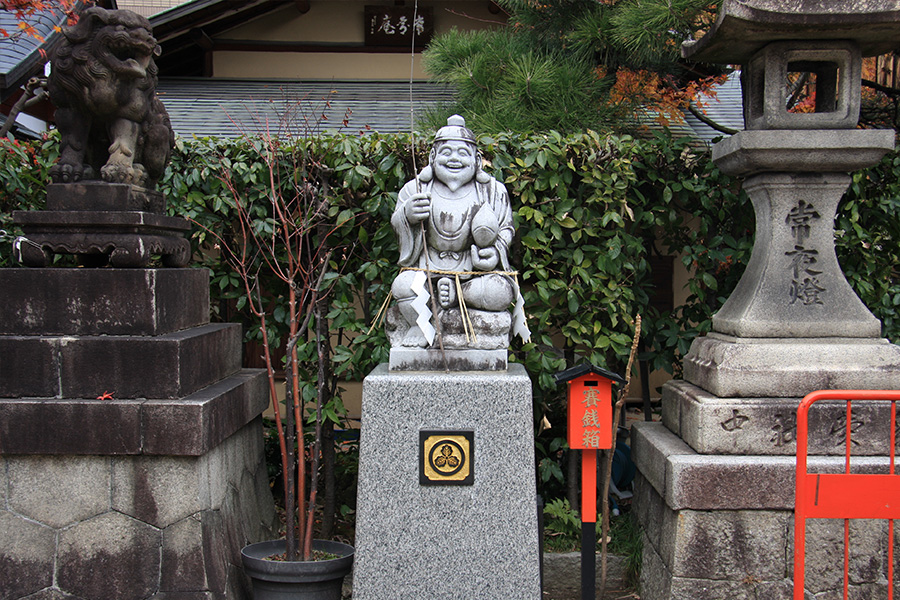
x=743, y=27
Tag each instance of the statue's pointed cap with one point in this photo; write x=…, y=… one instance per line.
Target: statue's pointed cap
x=455, y=130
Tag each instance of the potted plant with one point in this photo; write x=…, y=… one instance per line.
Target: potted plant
x=280, y=245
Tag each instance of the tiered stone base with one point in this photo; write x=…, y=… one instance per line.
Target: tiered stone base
x=758, y=367
x=131, y=457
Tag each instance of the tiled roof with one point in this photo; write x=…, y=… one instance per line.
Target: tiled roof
x=229, y=107
x=19, y=56
x=725, y=109
x=225, y=107
x=148, y=8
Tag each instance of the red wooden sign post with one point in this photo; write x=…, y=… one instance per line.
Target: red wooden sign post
x=590, y=428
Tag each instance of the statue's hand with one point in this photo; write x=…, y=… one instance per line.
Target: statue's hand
x=418, y=208
x=485, y=259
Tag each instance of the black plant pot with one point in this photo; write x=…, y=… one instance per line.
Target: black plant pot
x=280, y=580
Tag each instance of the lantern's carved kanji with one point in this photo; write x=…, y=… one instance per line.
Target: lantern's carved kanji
x=799, y=219
x=806, y=291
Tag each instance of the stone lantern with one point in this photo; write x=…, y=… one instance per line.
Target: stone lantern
x=793, y=294
x=715, y=486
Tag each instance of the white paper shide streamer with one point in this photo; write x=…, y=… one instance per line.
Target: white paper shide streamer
x=420, y=303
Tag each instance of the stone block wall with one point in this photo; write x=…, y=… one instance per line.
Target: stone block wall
x=719, y=527
x=160, y=527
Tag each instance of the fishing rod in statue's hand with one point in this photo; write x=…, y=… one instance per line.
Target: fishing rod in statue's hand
x=422, y=209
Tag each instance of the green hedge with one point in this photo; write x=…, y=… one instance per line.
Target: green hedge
x=593, y=211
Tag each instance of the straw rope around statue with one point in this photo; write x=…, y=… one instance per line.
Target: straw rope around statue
x=468, y=328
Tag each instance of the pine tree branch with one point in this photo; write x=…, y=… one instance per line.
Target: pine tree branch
x=706, y=120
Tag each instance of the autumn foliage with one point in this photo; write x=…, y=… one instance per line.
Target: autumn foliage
x=660, y=94
x=26, y=10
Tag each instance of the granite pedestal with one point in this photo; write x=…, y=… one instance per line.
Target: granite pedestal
x=453, y=541
x=131, y=448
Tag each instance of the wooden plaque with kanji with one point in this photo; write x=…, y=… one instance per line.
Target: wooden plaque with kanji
x=590, y=413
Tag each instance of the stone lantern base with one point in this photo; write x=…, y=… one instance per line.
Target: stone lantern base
x=715, y=489
x=722, y=526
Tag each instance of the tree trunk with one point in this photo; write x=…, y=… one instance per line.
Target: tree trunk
x=324, y=392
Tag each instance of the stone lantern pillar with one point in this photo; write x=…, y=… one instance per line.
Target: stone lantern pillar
x=715, y=492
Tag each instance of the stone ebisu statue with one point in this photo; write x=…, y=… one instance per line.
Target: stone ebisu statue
x=454, y=224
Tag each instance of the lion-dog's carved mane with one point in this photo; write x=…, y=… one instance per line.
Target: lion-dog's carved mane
x=103, y=83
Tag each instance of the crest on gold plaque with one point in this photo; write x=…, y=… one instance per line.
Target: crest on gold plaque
x=445, y=457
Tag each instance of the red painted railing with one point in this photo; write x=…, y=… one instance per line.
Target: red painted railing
x=844, y=495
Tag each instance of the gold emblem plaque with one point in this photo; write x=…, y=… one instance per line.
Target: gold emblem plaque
x=445, y=457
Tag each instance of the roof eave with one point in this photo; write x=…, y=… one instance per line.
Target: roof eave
x=585, y=369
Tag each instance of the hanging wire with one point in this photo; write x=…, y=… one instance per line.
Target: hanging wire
x=412, y=147
x=412, y=117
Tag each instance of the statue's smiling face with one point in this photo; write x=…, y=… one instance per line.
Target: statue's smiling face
x=454, y=163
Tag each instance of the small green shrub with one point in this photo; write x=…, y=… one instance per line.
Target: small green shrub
x=562, y=527
x=592, y=211
x=562, y=533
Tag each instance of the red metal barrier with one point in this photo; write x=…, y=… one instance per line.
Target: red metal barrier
x=843, y=495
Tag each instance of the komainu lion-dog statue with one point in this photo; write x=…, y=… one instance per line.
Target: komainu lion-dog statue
x=103, y=83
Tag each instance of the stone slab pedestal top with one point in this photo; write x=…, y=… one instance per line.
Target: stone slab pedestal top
x=475, y=539
x=100, y=195
x=123, y=238
x=731, y=367
x=809, y=151
x=103, y=301
x=430, y=359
